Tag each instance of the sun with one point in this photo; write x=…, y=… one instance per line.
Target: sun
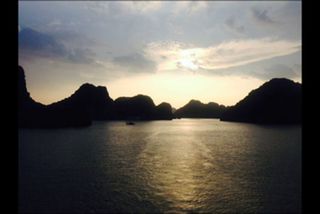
x=186, y=63
x=188, y=59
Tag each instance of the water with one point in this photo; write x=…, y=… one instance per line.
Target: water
x=178, y=166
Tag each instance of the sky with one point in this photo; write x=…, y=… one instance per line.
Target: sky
x=172, y=51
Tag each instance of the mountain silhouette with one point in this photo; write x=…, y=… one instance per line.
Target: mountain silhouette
x=32, y=114
x=141, y=107
x=25, y=100
x=137, y=107
x=277, y=101
x=92, y=100
x=196, y=109
x=164, y=111
x=87, y=103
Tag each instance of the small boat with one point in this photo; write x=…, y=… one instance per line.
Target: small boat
x=130, y=123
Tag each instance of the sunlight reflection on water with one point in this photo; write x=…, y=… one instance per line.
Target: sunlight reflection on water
x=162, y=166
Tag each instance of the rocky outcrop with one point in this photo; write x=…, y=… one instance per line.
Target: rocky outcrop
x=163, y=111
x=141, y=107
x=196, y=109
x=35, y=115
x=89, y=99
x=87, y=103
x=277, y=101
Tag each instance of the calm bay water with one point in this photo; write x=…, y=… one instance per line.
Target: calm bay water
x=178, y=166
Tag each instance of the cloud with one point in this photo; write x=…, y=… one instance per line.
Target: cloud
x=174, y=55
x=54, y=23
x=135, y=62
x=80, y=56
x=97, y=7
x=278, y=70
x=165, y=54
x=124, y=7
x=264, y=72
x=145, y=7
x=34, y=43
x=297, y=68
x=149, y=7
x=141, y=7
x=241, y=52
x=72, y=39
x=262, y=16
x=234, y=26
x=189, y=7
x=32, y=40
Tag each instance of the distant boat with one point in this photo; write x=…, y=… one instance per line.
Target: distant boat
x=130, y=123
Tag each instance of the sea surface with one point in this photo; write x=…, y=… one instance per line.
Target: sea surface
x=179, y=166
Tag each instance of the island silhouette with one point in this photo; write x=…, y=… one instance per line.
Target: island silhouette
x=197, y=109
x=277, y=101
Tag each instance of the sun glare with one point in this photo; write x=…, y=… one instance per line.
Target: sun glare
x=186, y=63
x=188, y=59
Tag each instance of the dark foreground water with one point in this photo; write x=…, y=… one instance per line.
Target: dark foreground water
x=174, y=166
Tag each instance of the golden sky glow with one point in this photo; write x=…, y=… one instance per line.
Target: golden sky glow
x=212, y=51
x=177, y=89
x=180, y=89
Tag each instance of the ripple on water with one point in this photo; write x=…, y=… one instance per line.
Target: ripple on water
x=161, y=166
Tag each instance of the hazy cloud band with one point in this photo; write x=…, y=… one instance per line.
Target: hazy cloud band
x=172, y=55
